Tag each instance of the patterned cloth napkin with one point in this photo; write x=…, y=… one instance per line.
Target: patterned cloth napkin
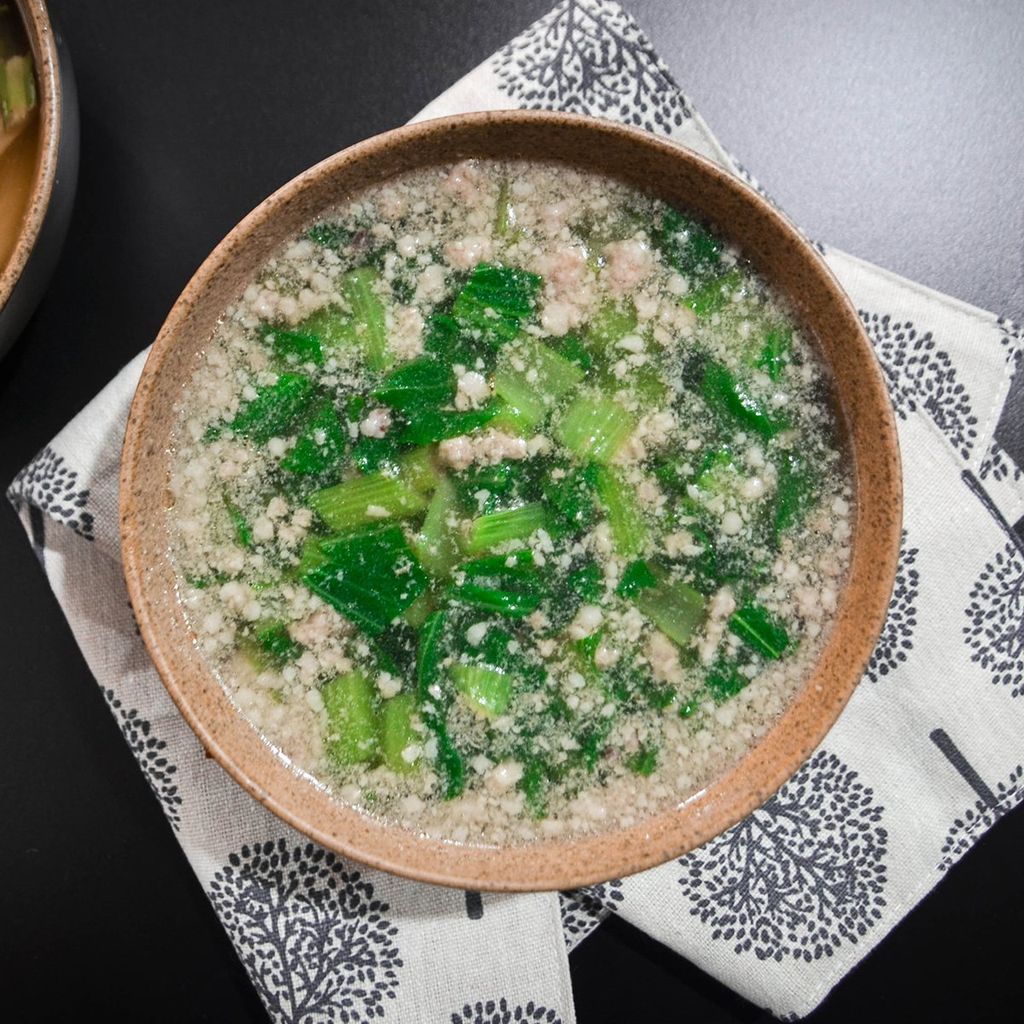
x=924, y=759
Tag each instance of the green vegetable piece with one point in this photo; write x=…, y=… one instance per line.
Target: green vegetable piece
x=505, y=218
x=587, y=582
x=777, y=341
x=636, y=577
x=675, y=608
x=330, y=235
x=368, y=317
x=572, y=348
x=618, y=499
x=594, y=427
x=725, y=394
x=794, y=493
x=498, y=565
x=714, y=294
x=436, y=543
x=570, y=500
x=724, y=680
x=716, y=471
x=445, y=339
x=534, y=786
x=686, y=246
x=370, y=577
x=431, y=425
x=320, y=446
x=495, y=528
x=754, y=626
x=432, y=695
x=331, y=325
x=419, y=611
x=243, y=531
x=274, y=410
x=423, y=383
x=500, y=482
x=295, y=346
x=613, y=321
x=545, y=377
x=376, y=455
x=398, y=733
x=366, y=499
x=486, y=690
x=495, y=301
x=644, y=761
x=352, y=728
x=688, y=708
x=513, y=604
x=276, y=643
x=418, y=469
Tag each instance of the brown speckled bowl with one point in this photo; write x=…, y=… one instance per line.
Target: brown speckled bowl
x=777, y=251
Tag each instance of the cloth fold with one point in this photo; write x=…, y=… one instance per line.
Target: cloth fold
x=924, y=759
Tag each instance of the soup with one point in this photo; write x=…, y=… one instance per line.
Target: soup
x=508, y=502
x=19, y=128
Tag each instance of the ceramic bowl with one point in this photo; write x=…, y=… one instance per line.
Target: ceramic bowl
x=27, y=272
x=777, y=251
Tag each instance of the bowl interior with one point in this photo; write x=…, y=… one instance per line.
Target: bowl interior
x=44, y=54
x=777, y=251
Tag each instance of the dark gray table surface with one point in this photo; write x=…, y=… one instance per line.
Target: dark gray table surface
x=892, y=130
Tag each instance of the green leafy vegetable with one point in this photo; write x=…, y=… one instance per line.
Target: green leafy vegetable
x=636, y=577
x=487, y=690
x=431, y=425
x=422, y=384
x=296, y=346
x=366, y=499
x=625, y=519
x=487, y=531
x=370, y=577
x=368, y=318
x=753, y=625
x=398, y=733
x=495, y=302
x=714, y=294
x=274, y=410
x=686, y=246
x=675, y=608
x=433, y=703
x=320, y=446
x=352, y=729
x=644, y=761
x=726, y=395
x=776, y=343
x=243, y=531
x=594, y=427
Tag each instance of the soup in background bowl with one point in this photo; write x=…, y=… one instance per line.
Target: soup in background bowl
x=498, y=522
x=38, y=157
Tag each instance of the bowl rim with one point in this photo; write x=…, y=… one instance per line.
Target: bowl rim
x=546, y=864
x=40, y=34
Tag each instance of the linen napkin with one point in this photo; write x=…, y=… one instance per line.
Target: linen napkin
x=922, y=762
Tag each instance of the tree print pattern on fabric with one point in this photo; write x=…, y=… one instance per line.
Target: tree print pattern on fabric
x=921, y=375
x=799, y=877
x=313, y=938
x=48, y=483
x=584, y=909
x=491, y=1012
x=995, y=628
x=979, y=818
x=901, y=619
x=150, y=752
x=591, y=58
x=997, y=463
